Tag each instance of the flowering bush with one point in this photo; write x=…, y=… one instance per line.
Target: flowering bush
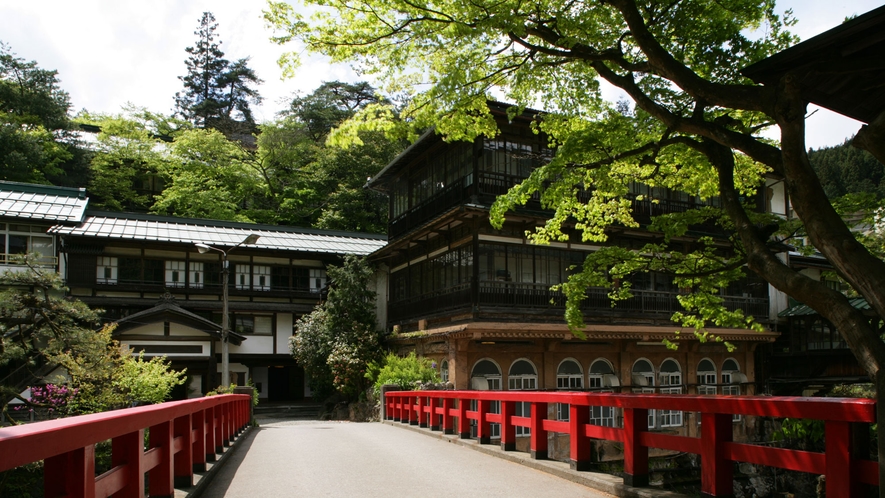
x=53, y=399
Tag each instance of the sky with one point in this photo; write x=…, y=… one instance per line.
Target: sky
x=112, y=52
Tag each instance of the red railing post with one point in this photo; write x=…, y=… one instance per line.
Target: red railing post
x=70, y=474
x=463, y=423
x=401, y=409
x=219, y=429
x=229, y=418
x=209, y=430
x=538, y=436
x=839, y=451
x=128, y=450
x=413, y=412
x=508, y=431
x=199, y=452
x=635, y=454
x=422, y=415
x=435, y=420
x=717, y=472
x=447, y=422
x=483, y=428
x=160, y=477
x=184, y=460
x=579, y=443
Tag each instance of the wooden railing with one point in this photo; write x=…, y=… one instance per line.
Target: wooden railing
x=846, y=472
x=183, y=436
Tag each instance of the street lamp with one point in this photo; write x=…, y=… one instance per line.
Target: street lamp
x=225, y=329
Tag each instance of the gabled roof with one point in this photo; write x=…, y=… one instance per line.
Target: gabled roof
x=42, y=202
x=128, y=226
x=840, y=69
x=171, y=312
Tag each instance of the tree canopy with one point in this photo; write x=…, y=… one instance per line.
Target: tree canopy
x=694, y=127
x=217, y=93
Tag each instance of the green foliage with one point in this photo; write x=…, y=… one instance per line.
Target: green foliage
x=338, y=340
x=217, y=93
x=844, y=169
x=37, y=141
x=406, y=372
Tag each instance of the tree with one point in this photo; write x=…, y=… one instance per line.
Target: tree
x=217, y=93
x=695, y=129
x=37, y=141
x=338, y=340
x=331, y=104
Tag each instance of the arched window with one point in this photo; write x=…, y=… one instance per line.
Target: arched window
x=601, y=378
x=486, y=376
x=522, y=376
x=671, y=375
x=643, y=377
x=732, y=378
x=706, y=377
x=444, y=371
x=569, y=375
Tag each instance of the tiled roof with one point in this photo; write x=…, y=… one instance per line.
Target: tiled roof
x=42, y=202
x=220, y=233
x=804, y=310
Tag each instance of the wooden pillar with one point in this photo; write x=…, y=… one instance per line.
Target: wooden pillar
x=184, y=460
x=70, y=474
x=483, y=428
x=447, y=421
x=160, y=477
x=422, y=415
x=219, y=429
x=209, y=431
x=579, y=443
x=128, y=450
x=538, y=437
x=838, y=438
x=199, y=451
x=508, y=431
x=635, y=454
x=463, y=423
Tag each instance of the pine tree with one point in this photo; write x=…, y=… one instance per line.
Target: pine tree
x=217, y=93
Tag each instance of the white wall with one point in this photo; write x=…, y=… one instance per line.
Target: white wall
x=284, y=331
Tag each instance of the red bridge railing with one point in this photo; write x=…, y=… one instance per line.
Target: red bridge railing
x=183, y=436
x=845, y=470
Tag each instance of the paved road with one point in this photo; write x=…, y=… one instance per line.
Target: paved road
x=311, y=458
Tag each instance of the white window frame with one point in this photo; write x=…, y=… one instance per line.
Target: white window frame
x=444, y=371
x=106, y=270
x=317, y=280
x=175, y=273
x=523, y=382
x=260, y=277
x=671, y=418
x=647, y=389
x=196, y=274
x=566, y=382
x=729, y=388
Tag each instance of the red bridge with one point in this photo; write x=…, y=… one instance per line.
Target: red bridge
x=185, y=435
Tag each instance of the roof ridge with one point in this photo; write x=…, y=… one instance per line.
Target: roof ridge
x=34, y=188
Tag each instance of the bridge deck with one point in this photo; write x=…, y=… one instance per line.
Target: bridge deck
x=312, y=458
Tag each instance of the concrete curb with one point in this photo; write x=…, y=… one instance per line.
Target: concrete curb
x=601, y=482
x=202, y=479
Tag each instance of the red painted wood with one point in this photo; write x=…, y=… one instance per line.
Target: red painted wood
x=483, y=430
x=219, y=429
x=422, y=415
x=70, y=474
x=579, y=443
x=555, y=426
x=803, y=461
x=183, y=466
x=110, y=482
x=716, y=470
x=867, y=472
x=600, y=432
x=521, y=421
x=538, y=435
x=209, y=420
x=671, y=442
x=160, y=477
x=127, y=451
x=447, y=422
x=199, y=441
x=463, y=424
x=635, y=453
x=840, y=481
x=508, y=431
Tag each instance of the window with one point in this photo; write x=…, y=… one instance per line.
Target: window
x=154, y=271
x=486, y=376
x=671, y=375
x=706, y=377
x=444, y=371
x=261, y=278
x=196, y=275
x=731, y=378
x=106, y=270
x=242, y=277
x=21, y=239
x=129, y=270
x=175, y=273
x=317, y=280
x=253, y=324
x=279, y=277
x=522, y=376
x=568, y=376
x=643, y=376
x=601, y=378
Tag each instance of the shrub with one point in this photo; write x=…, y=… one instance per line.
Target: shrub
x=407, y=372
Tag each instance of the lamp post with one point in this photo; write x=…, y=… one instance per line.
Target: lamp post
x=225, y=328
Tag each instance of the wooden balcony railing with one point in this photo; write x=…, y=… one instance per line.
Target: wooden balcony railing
x=183, y=435
x=846, y=472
